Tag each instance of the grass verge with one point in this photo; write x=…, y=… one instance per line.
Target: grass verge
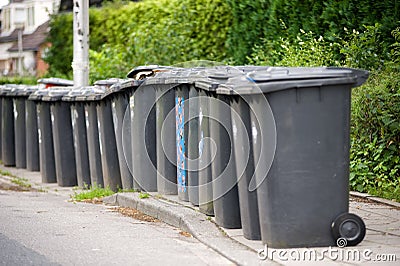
x=94, y=192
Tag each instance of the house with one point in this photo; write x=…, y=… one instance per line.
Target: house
x=24, y=27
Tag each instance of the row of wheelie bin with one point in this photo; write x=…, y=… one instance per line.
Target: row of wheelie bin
x=265, y=149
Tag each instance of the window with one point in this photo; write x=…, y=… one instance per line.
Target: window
x=6, y=21
x=31, y=16
x=20, y=16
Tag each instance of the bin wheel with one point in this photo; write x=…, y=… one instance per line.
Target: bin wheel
x=348, y=229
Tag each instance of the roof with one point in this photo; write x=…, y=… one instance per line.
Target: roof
x=34, y=40
x=10, y=38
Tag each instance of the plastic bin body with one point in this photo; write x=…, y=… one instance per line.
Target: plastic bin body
x=32, y=137
x=144, y=147
x=215, y=149
x=205, y=176
x=166, y=143
x=120, y=108
x=225, y=192
x=193, y=146
x=46, y=145
x=20, y=132
x=80, y=144
x=306, y=188
x=63, y=141
x=182, y=114
x=7, y=136
x=245, y=165
x=312, y=158
x=92, y=131
x=108, y=145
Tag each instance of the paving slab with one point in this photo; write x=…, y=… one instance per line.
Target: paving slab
x=381, y=243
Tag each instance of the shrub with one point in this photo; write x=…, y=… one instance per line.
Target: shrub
x=307, y=50
x=18, y=80
x=375, y=132
x=162, y=32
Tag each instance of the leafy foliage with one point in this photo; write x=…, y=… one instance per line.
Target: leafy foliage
x=305, y=50
x=257, y=20
x=18, y=80
x=375, y=156
x=59, y=55
x=146, y=32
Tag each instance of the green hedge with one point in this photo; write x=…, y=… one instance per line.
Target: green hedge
x=375, y=135
x=18, y=80
x=147, y=32
x=255, y=20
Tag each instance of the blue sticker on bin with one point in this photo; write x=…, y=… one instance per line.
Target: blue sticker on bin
x=180, y=143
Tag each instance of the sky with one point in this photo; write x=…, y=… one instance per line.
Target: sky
x=3, y=2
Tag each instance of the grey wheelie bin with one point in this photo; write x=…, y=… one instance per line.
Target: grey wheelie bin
x=193, y=145
x=25, y=125
x=121, y=92
x=19, y=126
x=181, y=79
x=165, y=130
x=303, y=197
x=144, y=133
x=186, y=131
x=224, y=181
x=79, y=135
x=63, y=140
x=90, y=98
x=108, y=144
x=45, y=137
x=181, y=109
x=7, y=127
x=243, y=149
x=31, y=124
x=225, y=192
x=144, y=147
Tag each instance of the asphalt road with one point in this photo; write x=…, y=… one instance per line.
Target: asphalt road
x=38, y=228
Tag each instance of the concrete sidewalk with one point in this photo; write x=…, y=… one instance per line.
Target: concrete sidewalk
x=381, y=243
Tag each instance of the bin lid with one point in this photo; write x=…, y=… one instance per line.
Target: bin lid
x=52, y=94
x=72, y=94
x=130, y=83
x=8, y=90
x=125, y=84
x=142, y=72
x=186, y=76
x=26, y=90
x=159, y=78
x=108, y=82
x=88, y=93
x=52, y=82
x=17, y=90
x=213, y=77
x=281, y=78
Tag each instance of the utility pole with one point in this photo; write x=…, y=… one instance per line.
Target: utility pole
x=80, y=63
x=20, y=50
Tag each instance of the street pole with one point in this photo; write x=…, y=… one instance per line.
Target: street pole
x=80, y=63
x=20, y=50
